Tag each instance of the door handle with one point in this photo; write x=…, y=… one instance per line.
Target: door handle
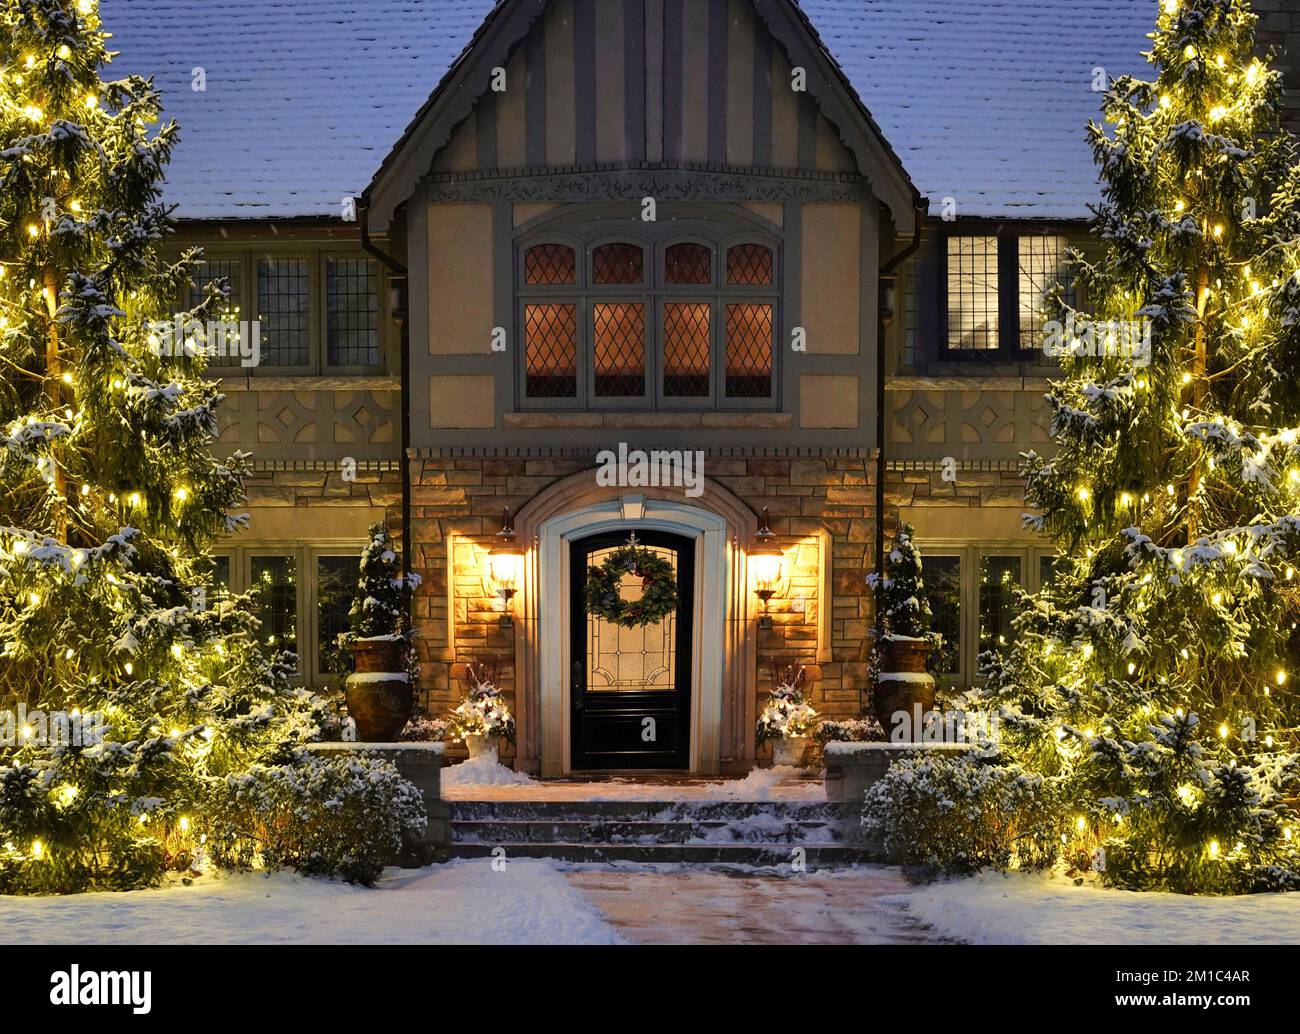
x=577, y=686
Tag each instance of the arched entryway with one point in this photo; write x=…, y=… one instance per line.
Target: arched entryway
x=722, y=669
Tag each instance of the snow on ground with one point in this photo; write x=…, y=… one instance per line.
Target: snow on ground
x=486, y=781
x=1023, y=908
x=483, y=771
x=462, y=902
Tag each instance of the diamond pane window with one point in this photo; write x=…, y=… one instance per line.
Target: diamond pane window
x=283, y=308
x=749, y=265
x=688, y=264
x=550, y=265
x=973, y=293
x=620, y=349
x=617, y=264
x=551, y=350
x=749, y=351
x=352, y=312
x=276, y=580
x=686, y=349
x=1043, y=265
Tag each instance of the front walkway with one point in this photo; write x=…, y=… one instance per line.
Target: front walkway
x=704, y=907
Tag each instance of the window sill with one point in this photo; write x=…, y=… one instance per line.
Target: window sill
x=654, y=421
x=305, y=382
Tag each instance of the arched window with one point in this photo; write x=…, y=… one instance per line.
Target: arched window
x=661, y=322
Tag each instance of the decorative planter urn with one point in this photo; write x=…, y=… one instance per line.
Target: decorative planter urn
x=903, y=681
x=789, y=750
x=481, y=746
x=379, y=692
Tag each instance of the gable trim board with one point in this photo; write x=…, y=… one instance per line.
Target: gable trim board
x=464, y=87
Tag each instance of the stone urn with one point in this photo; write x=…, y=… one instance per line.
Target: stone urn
x=789, y=750
x=379, y=692
x=902, y=682
x=481, y=746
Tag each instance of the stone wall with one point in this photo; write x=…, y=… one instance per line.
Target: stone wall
x=808, y=493
x=321, y=485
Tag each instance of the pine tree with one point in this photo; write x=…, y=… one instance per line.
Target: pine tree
x=902, y=608
x=379, y=603
x=110, y=498
x=1152, y=679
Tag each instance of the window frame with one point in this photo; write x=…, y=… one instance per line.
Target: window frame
x=305, y=557
x=969, y=554
x=1008, y=294
x=654, y=293
x=316, y=255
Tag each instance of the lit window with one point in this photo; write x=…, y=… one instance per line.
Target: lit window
x=617, y=264
x=548, y=265
x=275, y=578
x=619, y=348
x=942, y=576
x=687, y=264
x=687, y=339
x=551, y=350
x=999, y=579
x=1043, y=266
x=336, y=584
x=973, y=322
x=209, y=270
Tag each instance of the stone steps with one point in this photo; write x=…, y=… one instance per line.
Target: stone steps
x=758, y=833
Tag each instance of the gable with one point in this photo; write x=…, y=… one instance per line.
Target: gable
x=643, y=82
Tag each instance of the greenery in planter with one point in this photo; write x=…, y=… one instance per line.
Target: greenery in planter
x=786, y=713
x=483, y=711
x=902, y=611
x=379, y=604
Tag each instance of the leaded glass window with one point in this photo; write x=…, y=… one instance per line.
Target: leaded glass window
x=283, y=310
x=351, y=312
x=973, y=313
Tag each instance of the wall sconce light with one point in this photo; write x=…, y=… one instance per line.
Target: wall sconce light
x=767, y=559
x=506, y=564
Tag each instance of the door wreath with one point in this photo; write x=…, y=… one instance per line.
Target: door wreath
x=659, y=592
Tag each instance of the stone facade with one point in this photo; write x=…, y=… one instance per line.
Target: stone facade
x=821, y=503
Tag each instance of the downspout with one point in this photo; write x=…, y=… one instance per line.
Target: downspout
x=398, y=309
x=886, y=317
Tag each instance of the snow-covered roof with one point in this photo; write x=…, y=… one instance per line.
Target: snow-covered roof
x=984, y=102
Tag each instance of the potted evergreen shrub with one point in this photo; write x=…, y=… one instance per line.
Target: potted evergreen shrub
x=902, y=641
x=482, y=717
x=787, y=718
x=379, y=646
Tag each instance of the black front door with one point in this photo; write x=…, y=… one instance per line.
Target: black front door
x=630, y=688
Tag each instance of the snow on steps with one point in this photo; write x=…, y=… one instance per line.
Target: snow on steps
x=706, y=832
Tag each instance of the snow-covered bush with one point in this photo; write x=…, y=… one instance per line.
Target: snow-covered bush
x=422, y=728
x=786, y=713
x=960, y=815
x=338, y=816
x=483, y=711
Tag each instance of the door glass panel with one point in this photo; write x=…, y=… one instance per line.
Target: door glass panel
x=999, y=578
x=942, y=575
x=631, y=660
x=336, y=583
x=276, y=580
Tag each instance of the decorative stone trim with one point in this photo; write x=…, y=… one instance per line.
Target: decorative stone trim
x=1015, y=466
x=967, y=383
x=690, y=181
x=327, y=466
x=589, y=451
x=311, y=383
x=653, y=421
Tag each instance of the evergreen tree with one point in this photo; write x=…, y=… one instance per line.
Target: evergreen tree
x=379, y=603
x=109, y=496
x=1153, y=678
x=902, y=609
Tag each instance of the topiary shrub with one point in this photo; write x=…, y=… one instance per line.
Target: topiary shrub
x=959, y=815
x=335, y=816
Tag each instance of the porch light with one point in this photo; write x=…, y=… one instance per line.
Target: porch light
x=505, y=564
x=767, y=559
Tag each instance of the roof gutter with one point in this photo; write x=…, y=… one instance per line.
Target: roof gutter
x=886, y=316
x=398, y=309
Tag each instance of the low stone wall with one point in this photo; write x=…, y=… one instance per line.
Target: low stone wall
x=853, y=768
x=421, y=764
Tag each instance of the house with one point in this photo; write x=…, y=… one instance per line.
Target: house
x=494, y=248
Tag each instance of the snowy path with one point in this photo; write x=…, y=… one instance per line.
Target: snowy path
x=704, y=907
x=1032, y=909
x=464, y=902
